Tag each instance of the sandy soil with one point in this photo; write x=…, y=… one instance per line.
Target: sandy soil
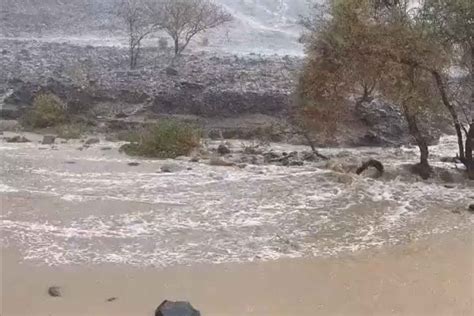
x=429, y=277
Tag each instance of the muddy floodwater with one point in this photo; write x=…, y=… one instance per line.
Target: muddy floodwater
x=61, y=205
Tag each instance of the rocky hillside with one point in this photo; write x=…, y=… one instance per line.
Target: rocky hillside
x=228, y=95
x=259, y=26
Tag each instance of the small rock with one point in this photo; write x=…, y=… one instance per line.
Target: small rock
x=449, y=186
x=54, y=291
x=170, y=71
x=446, y=176
x=111, y=299
x=121, y=115
x=17, y=139
x=133, y=164
x=220, y=162
x=48, y=139
x=252, y=151
x=270, y=156
x=223, y=149
x=471, y=208
x=449, y=159
x=106, y=148
x=168, y=308
x=343, y=154
x=170, y=168
x=194, y=159
x=307, y=156
x=242, y=165
x=295, y=163
x=92, y=141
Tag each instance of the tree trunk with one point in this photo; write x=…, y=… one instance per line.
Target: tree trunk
x=468, y=159
x=452, y=111
x=131, y=56
x=176, y=46
x=423, y=168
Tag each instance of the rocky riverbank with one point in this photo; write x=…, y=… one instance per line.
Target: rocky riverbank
x=243, y=97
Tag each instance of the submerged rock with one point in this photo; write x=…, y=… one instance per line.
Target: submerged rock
x=17, y=139
x=223, y=149
x=168, y=308
x=92, y=141
x=48, y=139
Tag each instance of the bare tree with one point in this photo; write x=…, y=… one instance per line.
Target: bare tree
x=184, y=19
x=137, y=18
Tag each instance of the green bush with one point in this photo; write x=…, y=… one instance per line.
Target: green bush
x=48, y=110
x=166, y=139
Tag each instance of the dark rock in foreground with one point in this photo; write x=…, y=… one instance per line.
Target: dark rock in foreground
x=54, y=291
x=168, y=308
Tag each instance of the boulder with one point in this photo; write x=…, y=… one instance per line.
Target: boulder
x=48, y=139
x=471, y=208
x=223, y=149
x=168, y=308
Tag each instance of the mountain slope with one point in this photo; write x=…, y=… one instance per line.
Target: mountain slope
x=259, y=26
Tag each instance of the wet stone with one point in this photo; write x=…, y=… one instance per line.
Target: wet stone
x=223, y=149
x=54, y=291
x=168, y=308
x=48, y=139
x=92, y=141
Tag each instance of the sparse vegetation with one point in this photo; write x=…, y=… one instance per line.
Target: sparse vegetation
x=165, y=139
x=182, y=20
x=71, y=131
x=48, y=110
x=137, y=20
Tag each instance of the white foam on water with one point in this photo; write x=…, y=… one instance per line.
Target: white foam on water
x=211, y=214
x=7, y=189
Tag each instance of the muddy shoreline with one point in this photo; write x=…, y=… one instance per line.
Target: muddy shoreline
x=432, y=276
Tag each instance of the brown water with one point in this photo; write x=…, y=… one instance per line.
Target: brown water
x=61, y=205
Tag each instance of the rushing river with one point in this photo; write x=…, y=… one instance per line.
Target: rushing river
x=61, y=205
